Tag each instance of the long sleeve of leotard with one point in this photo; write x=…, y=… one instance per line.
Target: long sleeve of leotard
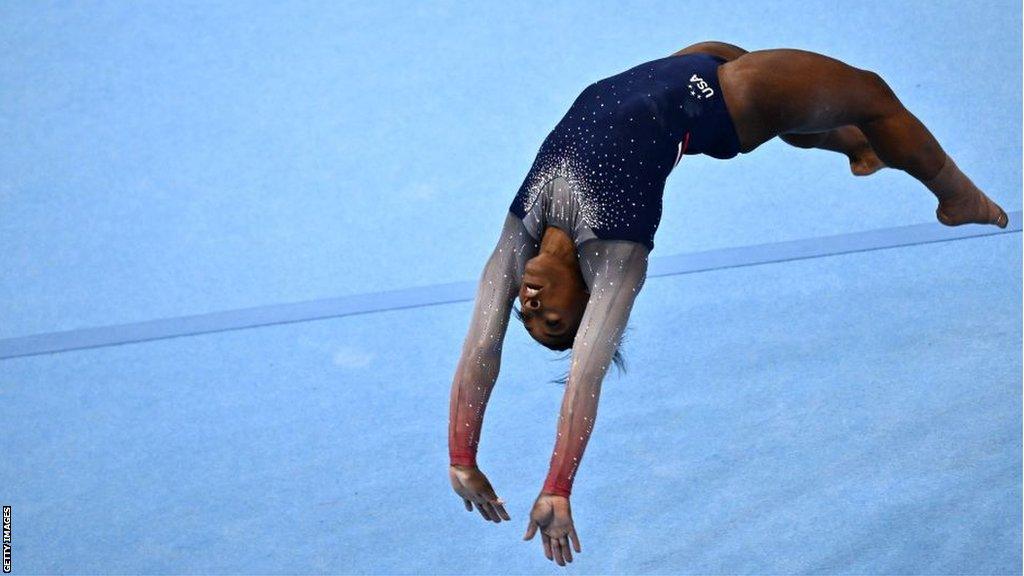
x=618, y=270
x=478, y=366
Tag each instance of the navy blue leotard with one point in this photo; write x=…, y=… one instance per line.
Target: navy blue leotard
x=624, y=134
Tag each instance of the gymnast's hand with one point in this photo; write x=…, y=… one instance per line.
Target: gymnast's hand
x=474, y=488
x=553, y=515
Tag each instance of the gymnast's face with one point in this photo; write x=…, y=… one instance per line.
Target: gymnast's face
x=553, y=297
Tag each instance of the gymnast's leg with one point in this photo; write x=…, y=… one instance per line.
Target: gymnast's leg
x=804, y=95
x=848, y=140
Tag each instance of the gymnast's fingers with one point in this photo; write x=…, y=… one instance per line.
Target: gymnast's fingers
x=575, y=540
x=500, y=507
x=531, y=529
x=492, y=512
x=556, y=550
x=483, y=512
x=563, y=542
x=547, y=545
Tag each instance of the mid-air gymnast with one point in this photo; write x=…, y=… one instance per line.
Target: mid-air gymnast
x=574, y=244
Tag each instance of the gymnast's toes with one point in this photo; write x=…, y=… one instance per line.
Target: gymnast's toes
x=1002, y=220
x=866, y=164
x=976, y=209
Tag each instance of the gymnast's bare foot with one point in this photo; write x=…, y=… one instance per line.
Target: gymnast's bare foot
x=970, y=207
x=865, y=162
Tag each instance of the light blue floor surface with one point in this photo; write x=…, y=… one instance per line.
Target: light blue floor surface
x=856, y=414
x=850, y=414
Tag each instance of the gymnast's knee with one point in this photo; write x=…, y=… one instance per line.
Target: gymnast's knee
x=881, y=100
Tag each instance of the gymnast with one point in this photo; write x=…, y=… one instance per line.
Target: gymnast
x=574, y=246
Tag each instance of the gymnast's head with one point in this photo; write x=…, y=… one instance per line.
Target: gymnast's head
x=553, y=294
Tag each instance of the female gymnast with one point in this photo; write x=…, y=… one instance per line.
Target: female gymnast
x=575, y=241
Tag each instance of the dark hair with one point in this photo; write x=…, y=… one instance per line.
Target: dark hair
x=566, y=346
x=617, y=359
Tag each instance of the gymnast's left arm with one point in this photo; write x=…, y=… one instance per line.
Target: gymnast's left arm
x=618, y=269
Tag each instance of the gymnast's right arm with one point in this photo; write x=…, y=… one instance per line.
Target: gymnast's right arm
x=478, y=366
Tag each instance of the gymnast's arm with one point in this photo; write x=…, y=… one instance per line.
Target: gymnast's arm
x=478, y=366
x=618, y=269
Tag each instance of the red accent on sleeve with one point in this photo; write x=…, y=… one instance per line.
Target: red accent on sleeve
x=473, y=384
x=571, y=442
x=462, y=458
x=552, y=487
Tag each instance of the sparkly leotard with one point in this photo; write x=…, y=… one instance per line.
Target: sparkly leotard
x=624, y=134
x=599, y=176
